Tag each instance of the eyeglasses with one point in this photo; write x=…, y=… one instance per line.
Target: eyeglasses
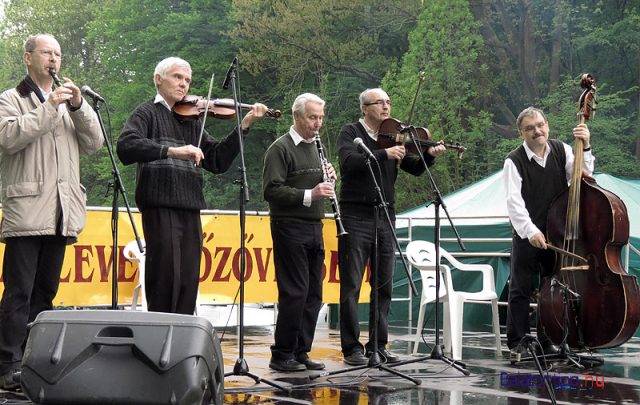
x=48, y=53
x=531, y=128
x=380, y=102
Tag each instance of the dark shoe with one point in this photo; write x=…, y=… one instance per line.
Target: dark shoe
x=385, y=356
x=356, y=359
x=288, y=365
x=548, y=349
x=303, y=358
x=388, y=356
x=7, y=382
x=518, y=353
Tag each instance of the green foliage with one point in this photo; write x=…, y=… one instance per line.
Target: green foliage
x=445, y=46
x=332, y=48
x=612, y=134
x=483, y=63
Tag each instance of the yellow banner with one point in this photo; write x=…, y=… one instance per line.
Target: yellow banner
x=86, y=272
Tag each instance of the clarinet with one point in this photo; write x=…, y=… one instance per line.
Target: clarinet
x=325, y=176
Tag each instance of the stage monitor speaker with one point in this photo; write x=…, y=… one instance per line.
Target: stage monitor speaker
x=122, y=357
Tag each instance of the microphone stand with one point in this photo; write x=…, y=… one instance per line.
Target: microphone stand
x=530, y=341
x=437, y=352
x=118, y=187
x=241, y=368
x=374, y=360
x=572, y=358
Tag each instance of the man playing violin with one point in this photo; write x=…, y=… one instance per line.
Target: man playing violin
x=534, y=174
x=358, y=198
x=169, y=185
x=43, y=132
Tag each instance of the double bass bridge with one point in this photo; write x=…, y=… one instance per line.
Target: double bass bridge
x=574, y=268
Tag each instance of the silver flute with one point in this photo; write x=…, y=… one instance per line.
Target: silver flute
x=326, y=178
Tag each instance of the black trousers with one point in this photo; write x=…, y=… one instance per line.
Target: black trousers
x=527, y=262
x=172, y=266
x=31, y=272
x=298, y=253
x=355, y=250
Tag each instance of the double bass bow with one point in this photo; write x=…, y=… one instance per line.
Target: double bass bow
x=602, y=307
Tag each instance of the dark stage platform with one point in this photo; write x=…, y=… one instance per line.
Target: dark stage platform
x=493, y=379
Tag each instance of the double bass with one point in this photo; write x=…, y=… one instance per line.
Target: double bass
x=589, y=299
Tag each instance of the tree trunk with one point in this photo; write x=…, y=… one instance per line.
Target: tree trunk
x=556, y=47
x=528, y=64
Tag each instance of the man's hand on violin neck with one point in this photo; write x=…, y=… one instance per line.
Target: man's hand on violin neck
x=396, y=152
x=257, y=112
x=437, y=150
x=186, y=152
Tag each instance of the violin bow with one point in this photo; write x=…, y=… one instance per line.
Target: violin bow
x=206, y=109
x=412, y=135
x=415, y=98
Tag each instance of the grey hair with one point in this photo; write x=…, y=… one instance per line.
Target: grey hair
x=167, y=63
x=30, y=43
x=529, y=112
x=300, y=104
x=364, y=96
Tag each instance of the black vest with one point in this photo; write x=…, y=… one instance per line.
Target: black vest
x=541, y=185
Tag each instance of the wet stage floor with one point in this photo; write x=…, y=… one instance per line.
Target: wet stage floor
x=492, y=379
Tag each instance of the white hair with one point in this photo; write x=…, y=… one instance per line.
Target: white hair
x=300, y=104
x=167, y=63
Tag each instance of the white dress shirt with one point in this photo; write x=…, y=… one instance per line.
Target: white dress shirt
x=518, y=214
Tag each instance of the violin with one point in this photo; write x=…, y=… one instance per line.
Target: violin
x=193, y=107
x=394, y=132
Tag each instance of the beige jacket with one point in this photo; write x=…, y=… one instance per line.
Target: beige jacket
x=39, y=164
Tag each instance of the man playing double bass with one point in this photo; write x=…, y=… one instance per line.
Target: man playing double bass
x=534, y=174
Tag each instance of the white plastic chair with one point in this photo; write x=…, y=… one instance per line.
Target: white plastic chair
x=133, y=253
x=422, y=255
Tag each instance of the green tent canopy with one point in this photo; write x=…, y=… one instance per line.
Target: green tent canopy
x=480, y=215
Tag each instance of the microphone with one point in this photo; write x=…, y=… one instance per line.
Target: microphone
x=55, y=77
x=360, y=144
x=227, y=77
x=86, y=90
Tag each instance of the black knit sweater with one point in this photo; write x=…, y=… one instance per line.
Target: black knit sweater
x=358, y=195
x=164, y=182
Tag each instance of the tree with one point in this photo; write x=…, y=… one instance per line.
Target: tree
x=132, y=37
x=446, y=46
x=333, y=48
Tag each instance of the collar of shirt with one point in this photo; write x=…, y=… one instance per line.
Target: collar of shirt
x=161, y=100
x=372, y=134
x=45, y=94
x=297, y=138
x=542, y=161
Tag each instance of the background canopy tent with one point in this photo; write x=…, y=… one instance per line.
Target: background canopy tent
x=479, y=213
